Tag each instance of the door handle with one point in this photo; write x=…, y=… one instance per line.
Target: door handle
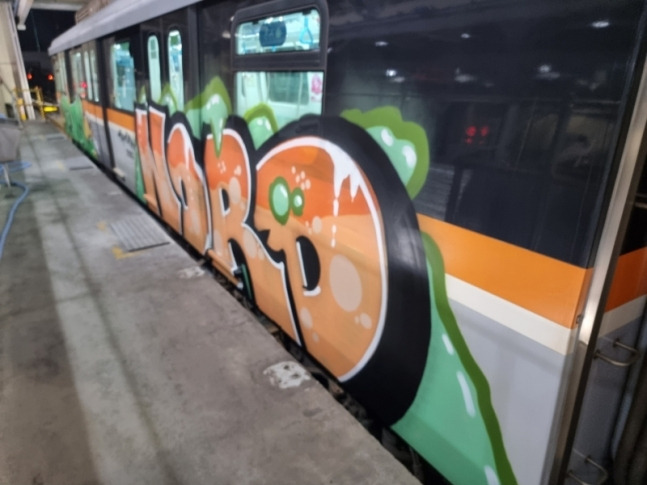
x=604, y=474
x=635, y=355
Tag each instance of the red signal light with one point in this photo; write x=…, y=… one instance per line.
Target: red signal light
x=29, y=76
x=478, y=134
x=50, y=77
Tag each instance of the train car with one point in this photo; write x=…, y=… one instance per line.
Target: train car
x=441, y=202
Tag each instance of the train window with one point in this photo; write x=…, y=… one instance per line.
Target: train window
x=60, y=73
x=56, y=72
x=289, y=95
x=278, y=63
x=78, y=80
x=296, y=31
x=288, y=87
x=521, y=112
x=123, y=76
x=176, y=72
x=215, y=41
x=88, y=77
x=95, y=74
x=154, y=68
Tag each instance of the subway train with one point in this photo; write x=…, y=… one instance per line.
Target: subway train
x=441, y=202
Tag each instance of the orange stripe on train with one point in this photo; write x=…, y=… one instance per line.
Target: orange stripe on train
x=93, y=108
x=124, y=120
x=629, y=280
x=546, y=286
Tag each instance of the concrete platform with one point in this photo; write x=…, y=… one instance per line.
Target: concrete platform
x=139, y=368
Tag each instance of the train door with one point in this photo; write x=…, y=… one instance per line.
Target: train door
x=60, y=77
x=176, y=62
x=93, y=107
x=604, y=426
x=152, y=38
x=629, y=446
x=168, y=119
x=76, y=120
x=122, y=61
x=611, y=438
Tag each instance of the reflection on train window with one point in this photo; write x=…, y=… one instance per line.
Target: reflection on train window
x=123, y=76
x=56, y=62
x=296, y=31
x=585, y=137
x=288, y=87
x=521, y=124
x=154, y=69
x=80, y=85
x=176, y=74
x=88, y=77
x=60, y=73
x=95, y=74
x=288, y=95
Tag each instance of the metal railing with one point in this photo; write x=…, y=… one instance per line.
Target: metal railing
x=35, y=100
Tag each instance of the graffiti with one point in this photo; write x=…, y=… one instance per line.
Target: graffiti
x=128, y=141
x=158, y=192
x=76, y=124
x=459, y=394
x=310, y=223
x=286, y=222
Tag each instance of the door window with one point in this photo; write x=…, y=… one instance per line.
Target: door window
x=154, y=68
x=176, y=70
x=122, y=67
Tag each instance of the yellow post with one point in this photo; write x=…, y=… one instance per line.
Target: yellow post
x=39, y=100
x=21, y=109
x=22, y=105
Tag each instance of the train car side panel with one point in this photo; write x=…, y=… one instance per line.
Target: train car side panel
x=413, y=194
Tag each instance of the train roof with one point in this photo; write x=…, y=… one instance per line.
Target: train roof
x=116, y=16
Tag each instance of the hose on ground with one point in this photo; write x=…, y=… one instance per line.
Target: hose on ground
x=13, y=167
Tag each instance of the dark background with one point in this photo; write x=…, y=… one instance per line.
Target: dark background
x=43, y=26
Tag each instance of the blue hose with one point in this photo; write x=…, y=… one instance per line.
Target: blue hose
x=18, y=165
x=13, y=167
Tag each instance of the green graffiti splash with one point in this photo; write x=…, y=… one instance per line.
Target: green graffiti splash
x=261, y=122
x=280, y=200
x=401, y=151
x=65, y=109
x=452, y=422
x=76, y=125
x=142, y=99
x=168, y=99
x=297, y=201
x=212, y=106
x=139, y=179
x=404, y=142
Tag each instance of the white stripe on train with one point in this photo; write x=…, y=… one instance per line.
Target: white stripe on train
x=537, y=328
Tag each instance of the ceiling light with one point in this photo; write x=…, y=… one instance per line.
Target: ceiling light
x=600, y=24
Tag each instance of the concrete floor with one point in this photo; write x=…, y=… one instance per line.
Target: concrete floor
x=138, y=368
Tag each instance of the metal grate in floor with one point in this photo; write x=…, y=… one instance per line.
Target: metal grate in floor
x=138, y=232
x=78, y=163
